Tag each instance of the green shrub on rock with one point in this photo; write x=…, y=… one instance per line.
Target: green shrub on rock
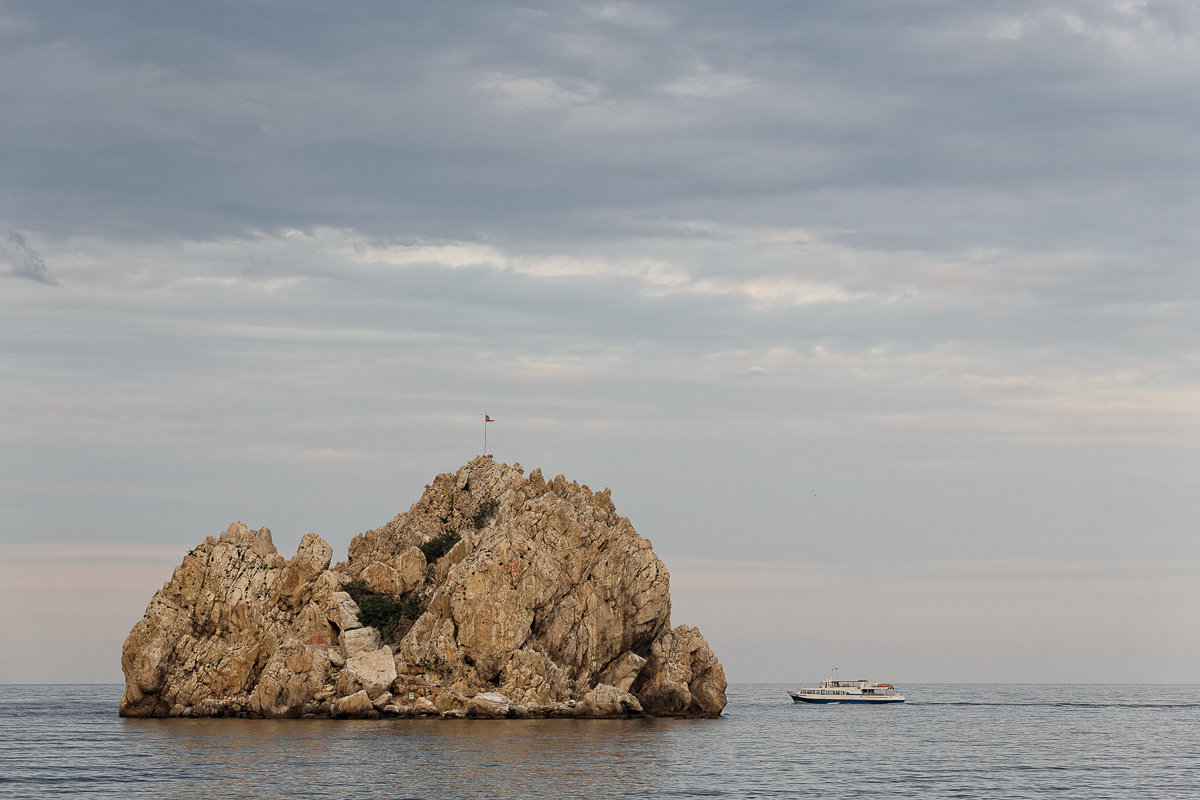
x=439, y=545
x=390, y=614
x=484, y=512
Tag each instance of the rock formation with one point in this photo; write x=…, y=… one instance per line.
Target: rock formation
x=495, y=595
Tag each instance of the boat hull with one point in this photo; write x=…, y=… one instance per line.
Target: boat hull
x=862, y=701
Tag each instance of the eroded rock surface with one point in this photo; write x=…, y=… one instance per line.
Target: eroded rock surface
x=539, y=599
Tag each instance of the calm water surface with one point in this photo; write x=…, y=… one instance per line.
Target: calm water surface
x=996, y=741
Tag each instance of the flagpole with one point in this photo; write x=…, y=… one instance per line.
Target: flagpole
x=485, y=419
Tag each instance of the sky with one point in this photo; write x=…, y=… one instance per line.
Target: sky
x=879, y=319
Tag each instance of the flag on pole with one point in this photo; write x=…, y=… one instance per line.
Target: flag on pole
x=486, y=418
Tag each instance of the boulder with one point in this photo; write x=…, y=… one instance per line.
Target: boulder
x=448, y=700
x=342, y=611
x=410, y=570
x=490, y=705
x=425, y=707
x=623, y=670
x=357, y=705
x=532, y=677
x=379, y=577
x=312, y=626
x=326, y=584
x=373, y=671
x=312, y=558
x=605, y=700
x=682, y=677
x=359, y=640
x=292, y=676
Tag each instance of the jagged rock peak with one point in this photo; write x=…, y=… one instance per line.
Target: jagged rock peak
x=480, y=493
x=498, y=585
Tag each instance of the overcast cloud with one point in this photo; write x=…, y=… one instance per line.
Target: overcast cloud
x=866, y=305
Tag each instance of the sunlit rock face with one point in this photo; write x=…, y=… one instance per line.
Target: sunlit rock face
x=536, y=597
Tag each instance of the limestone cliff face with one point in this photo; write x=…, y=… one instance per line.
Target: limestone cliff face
x=547, y=603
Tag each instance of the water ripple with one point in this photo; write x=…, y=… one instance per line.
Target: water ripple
x=948, y=741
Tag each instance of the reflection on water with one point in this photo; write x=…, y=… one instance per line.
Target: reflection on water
x=1014, y=742
x=414, y=758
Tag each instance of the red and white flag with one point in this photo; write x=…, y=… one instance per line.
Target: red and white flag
x=486, y=418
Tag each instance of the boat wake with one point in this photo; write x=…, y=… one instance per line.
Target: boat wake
x=1049, y=704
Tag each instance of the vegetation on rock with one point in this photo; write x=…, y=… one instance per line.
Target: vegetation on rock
x=439, y=545
x=390, y=614
x=484, y=512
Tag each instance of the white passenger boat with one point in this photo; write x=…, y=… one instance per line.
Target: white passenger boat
x=860, y=691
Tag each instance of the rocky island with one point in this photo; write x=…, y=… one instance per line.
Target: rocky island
x=495, y=595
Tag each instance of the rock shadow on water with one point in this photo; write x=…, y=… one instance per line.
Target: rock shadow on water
x=417, y=758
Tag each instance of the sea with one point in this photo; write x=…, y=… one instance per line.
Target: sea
x=947, y=741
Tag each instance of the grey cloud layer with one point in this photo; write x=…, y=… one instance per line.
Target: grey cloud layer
x=1019, y=124
x=1039, y=155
